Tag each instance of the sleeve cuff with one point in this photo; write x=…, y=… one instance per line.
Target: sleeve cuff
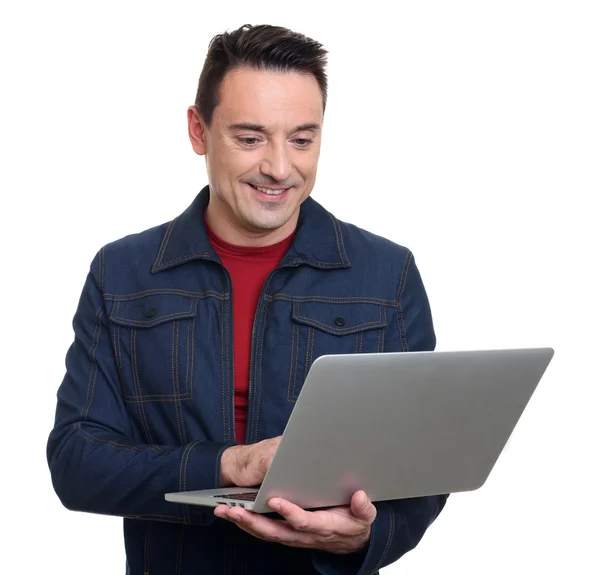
x=200, y=468
x=367, y=561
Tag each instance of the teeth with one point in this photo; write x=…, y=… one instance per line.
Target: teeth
x=270, y=192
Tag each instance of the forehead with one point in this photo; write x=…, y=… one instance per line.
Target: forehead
x=269, y=97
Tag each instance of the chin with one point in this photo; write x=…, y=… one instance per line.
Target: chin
x=268, y=224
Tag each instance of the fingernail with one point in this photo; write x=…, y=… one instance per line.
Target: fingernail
x=236, y=517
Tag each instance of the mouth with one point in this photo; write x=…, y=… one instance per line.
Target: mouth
x=271, y=193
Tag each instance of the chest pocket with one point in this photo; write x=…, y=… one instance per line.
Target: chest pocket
x=153, y=338
x=320, y=328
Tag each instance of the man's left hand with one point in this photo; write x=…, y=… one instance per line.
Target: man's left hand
x=338, y=530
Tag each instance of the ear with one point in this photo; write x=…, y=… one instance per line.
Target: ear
x=196, y=130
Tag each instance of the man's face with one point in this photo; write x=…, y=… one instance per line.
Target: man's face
x=262, y=150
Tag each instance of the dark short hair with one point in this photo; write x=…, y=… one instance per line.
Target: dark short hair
x=260, y=47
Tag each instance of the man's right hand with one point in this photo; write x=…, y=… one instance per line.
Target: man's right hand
x=247, y=465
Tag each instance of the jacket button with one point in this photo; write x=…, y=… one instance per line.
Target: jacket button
x=150, y=312
x=339, y=321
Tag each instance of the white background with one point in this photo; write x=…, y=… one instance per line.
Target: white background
x=467, y=131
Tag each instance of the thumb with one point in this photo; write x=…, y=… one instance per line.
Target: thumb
x=362, y=507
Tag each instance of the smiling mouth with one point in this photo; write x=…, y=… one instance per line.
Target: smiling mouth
x=269, y=191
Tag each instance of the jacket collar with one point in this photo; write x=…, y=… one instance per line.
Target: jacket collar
x=318, y=241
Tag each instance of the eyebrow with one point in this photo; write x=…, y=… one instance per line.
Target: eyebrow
x=312, y=127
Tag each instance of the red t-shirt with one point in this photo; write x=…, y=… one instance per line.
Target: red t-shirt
x=249, y=268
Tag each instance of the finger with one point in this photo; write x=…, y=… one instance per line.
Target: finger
x=297, y=517
x=362, y=507
x=221, y=511
x=274, y=530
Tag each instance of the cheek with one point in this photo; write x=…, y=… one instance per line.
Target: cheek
x=238, y=164
x=307, y=166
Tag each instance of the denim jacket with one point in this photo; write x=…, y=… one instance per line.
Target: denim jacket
x=147, y=403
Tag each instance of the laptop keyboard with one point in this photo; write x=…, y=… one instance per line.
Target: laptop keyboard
x=242, y=496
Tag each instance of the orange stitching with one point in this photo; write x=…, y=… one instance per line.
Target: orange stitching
x=165, y=291
x=175, y=375
x=183, y=259
x=259, y=387
x=152, y=323
x=147, y=324
x=338, y=236
x=218, y=466
x=136, y=383
x=120, y=358
x=132, y=346
x=230, y=356
x=166, y=238
x=224, y=373
x=163, y=245
x=310, y=348
x=94, y=368
x=312, y=352
x=404, y=275
x=101, y=268
x=191, y=388
x=292, y=364
x=178, y=406
x=141, y=405
x=184, y=488
x=181, y=468
x=187, y=357
x=379, y=334
x=326, y=299
x=178, y=395
x=314, y=263
x=173, y=358
x=164, y=398
x=114, y=346
x=307, y=356
x=383, y=330
x=389, y=540
x=97, y=441
x=345, y=255
x=405, y=338
x=339, y=331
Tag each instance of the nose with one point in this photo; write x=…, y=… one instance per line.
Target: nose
x=276, y=162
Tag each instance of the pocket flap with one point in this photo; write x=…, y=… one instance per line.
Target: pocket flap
x=340, y=318
x=151, y=310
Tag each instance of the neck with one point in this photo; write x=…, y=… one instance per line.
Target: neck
x=232, y=233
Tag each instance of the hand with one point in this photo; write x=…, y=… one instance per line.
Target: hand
x=247, y=465
x=337, y=530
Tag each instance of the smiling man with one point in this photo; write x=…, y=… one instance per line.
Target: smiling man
x=193, y=339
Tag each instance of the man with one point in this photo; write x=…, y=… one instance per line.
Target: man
x=193, y=339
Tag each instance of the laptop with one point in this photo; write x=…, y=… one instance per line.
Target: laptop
x=396, y=425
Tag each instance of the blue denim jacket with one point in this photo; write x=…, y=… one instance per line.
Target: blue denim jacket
x=147, y=403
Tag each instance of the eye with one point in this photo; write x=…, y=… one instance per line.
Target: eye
x=249, y=141
x=303, y=142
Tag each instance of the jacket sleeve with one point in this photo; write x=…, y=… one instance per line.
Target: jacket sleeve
x=400, y=524
x=94, y=463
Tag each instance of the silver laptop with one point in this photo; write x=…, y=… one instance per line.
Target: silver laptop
x=396, y=425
